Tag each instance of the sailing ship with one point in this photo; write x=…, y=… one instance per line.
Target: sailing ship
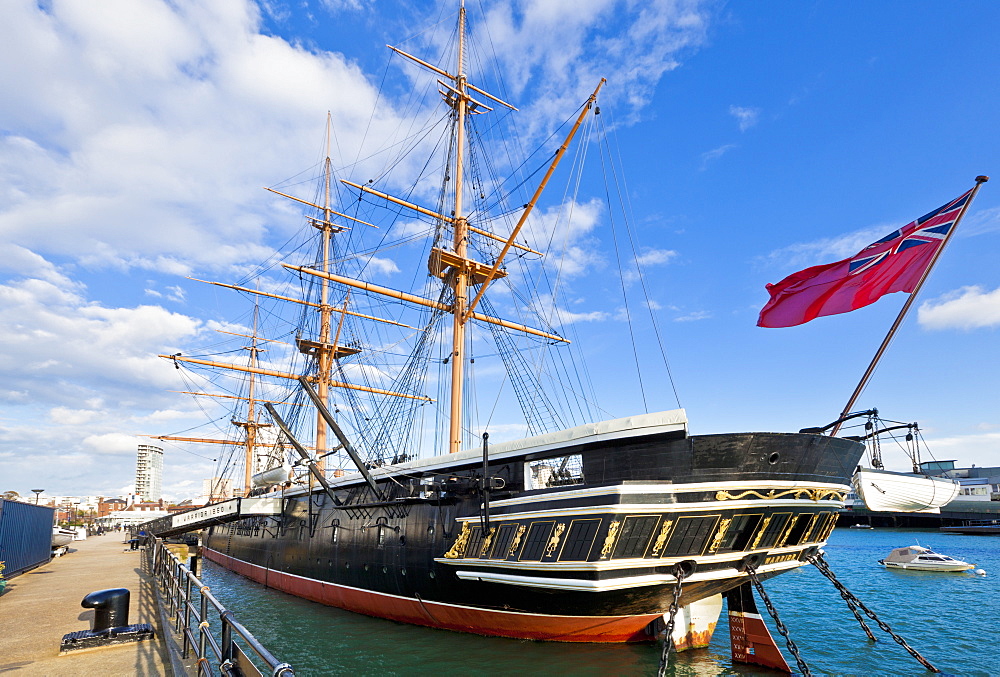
x=583, y=530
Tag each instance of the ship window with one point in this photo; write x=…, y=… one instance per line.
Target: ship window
x=579, y=540
x=833, y=523
x=690, y=536
x=823, y=531
x=740, y=532
x=798, y=529
x=534, y=544
x=555, y=472
x=774, y=528
x=812, y=527
x=502, y=541
x=475, y=542
x=635, y=535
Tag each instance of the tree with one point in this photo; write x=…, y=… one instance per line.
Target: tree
x=11, y=496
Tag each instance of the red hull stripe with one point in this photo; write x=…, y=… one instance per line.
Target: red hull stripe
x=447, y=616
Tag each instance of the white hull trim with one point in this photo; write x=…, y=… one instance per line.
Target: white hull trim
x=656, y=509
x=621, y=564
x=673, y=489
x=584, y=585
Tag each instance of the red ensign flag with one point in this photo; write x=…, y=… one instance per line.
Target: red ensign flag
x=894, y=263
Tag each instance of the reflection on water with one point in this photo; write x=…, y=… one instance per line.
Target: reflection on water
x=948, y=618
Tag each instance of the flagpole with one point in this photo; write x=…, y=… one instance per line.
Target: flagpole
x=980, y=180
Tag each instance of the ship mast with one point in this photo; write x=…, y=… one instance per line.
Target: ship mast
x=452, y=265
x=460, y=279
x=324, y=350
x=251, y=424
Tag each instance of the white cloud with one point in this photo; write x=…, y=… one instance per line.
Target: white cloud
x=647, y=259
x=966, y=308
x=710, y=156
x=545, y=307
x=375, y=266
x=694, y=316
x=631, y=44
x=563, y=231
x=655, y=257
x=827, y=249
x=746, y=117
x=113, y=444
x=128, y=127
x=979, y=222
x=334, y=6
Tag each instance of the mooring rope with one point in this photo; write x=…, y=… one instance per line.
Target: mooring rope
x=818, y=561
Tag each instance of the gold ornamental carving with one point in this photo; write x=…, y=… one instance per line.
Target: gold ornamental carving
x=487, y=542
x=554, y=540
x=814, y=494
x=661, y=539
x=457, y=550
x=610, y=540
x=719, y=535
x=760, y=532
x=787, y=531
x=521, y=528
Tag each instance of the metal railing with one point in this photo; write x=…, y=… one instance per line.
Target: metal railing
x=189, y=603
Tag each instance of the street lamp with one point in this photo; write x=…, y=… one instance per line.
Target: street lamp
x=37, y=491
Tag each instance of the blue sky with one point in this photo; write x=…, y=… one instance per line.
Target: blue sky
x=758, y=139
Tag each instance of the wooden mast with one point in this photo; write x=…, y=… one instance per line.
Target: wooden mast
x=460, y=279
x=323, y=351
x=251, y=425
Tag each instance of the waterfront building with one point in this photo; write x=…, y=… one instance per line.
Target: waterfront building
x=135, y=513
x=149, y=473
x=110, y=505
x=978, y=484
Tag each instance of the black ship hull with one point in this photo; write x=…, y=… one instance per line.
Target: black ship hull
x=574, y=538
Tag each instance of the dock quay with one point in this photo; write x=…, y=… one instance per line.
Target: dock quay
x=40, y=606
x=956, y=513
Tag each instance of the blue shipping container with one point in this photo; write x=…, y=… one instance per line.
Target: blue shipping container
x=25, y=536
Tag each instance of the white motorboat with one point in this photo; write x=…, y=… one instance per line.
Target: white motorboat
x=62, y=537
x=919, y=558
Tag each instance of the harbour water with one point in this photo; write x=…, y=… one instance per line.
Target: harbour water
x=950, y=618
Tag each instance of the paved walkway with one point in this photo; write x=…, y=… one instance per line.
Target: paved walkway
x=41, y=606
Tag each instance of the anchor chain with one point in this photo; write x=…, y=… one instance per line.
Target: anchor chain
x=854, y=609
x=818, y=561
x=668, y=640
x=792, y=648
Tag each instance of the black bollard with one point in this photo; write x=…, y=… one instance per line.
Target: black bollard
x=110, y=607
x=110, y=623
